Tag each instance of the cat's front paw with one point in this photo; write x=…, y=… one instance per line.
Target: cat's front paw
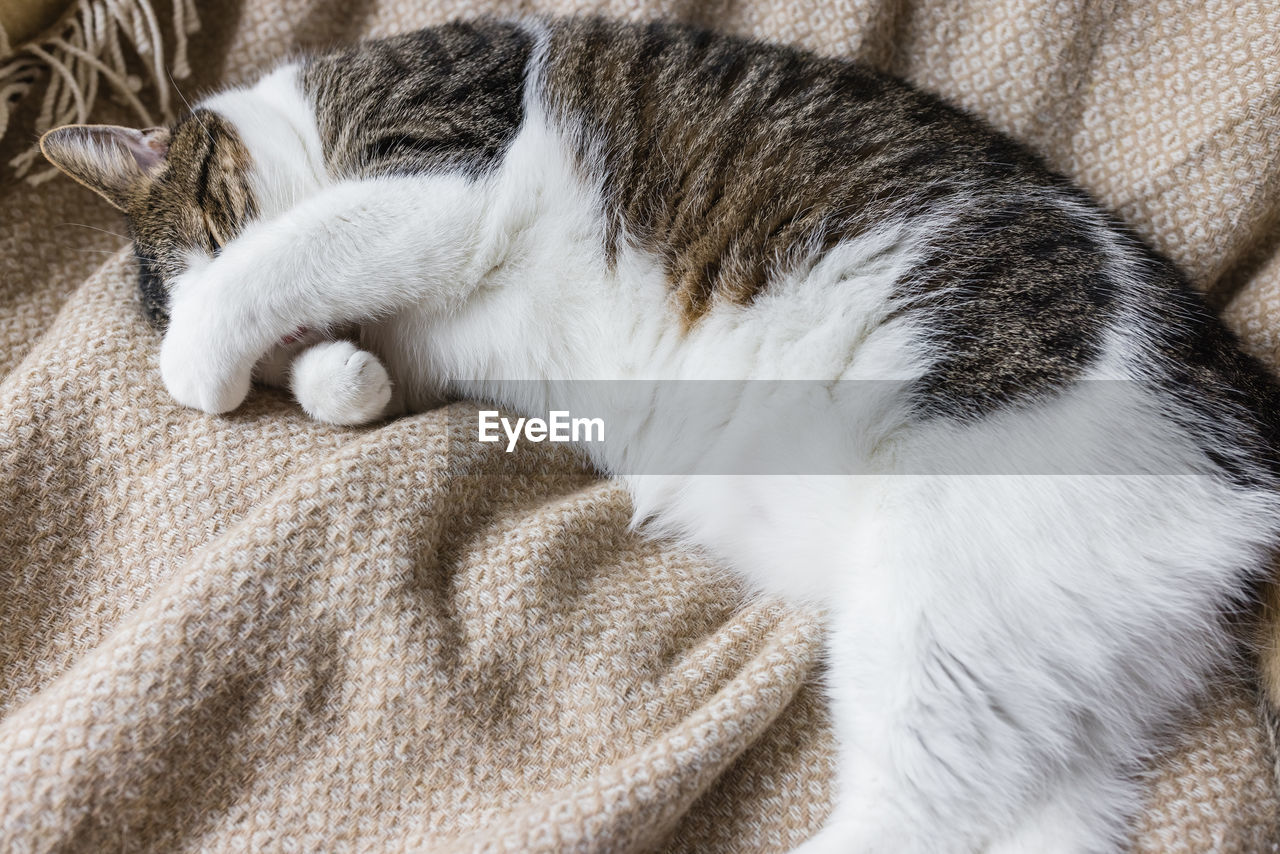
x=339, y=383
x=193, y=378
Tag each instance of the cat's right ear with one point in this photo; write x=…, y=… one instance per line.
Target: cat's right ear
x=114, y=162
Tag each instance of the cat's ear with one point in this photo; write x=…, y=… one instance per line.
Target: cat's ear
x=114, y=162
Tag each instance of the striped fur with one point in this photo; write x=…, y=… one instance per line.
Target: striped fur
x=495, y=203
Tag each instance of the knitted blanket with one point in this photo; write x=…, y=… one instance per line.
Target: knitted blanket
x=255, y=632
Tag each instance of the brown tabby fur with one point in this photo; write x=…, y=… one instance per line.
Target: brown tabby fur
x=201, y=198
x=731, y=160
x=197, y=196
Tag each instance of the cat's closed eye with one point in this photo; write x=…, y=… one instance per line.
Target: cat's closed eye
x=182, y=189
x=536, y=213
x=214, y=235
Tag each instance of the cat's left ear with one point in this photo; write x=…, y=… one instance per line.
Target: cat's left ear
x=114, y=162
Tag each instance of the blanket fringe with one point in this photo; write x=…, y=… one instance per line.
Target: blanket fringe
x=82, y=51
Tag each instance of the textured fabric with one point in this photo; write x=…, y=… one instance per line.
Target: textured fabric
x=258, y=633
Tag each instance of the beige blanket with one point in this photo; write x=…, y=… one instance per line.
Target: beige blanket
x=259, y=633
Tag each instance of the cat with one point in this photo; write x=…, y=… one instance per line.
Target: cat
x=1023, y=580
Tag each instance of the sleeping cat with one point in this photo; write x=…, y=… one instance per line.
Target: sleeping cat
x=1023, y=580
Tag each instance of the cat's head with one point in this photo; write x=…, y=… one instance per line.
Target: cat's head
x=184, y=190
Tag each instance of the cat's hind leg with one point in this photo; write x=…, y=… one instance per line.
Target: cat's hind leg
x=865, y=819
x=1079, y=814
x=947, y=746
x=338, y=383
x=875, y=814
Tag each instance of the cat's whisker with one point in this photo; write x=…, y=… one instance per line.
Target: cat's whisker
x=178, y=89
x=95, y=228
x=97, y=251
x=700, y=206
x=190, y=109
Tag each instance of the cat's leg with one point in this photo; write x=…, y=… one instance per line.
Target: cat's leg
x=864, y=818
x=1079, y=814
x=356, y=251
x=338, y=383
x=932, y=761
x=333, y=380
x=1069, y=821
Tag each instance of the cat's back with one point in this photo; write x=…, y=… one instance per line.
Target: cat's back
x=790, y=203
x=740, y=162
x=739, y=165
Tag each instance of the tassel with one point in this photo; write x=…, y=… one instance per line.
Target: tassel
x=86, y=51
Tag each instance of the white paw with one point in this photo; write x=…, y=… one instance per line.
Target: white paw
x=339, y=383
x=193, y=376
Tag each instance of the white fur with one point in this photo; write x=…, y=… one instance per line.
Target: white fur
x=1002, y=645
x=340, y=384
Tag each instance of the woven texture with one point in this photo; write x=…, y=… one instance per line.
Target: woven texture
x=259, y=633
